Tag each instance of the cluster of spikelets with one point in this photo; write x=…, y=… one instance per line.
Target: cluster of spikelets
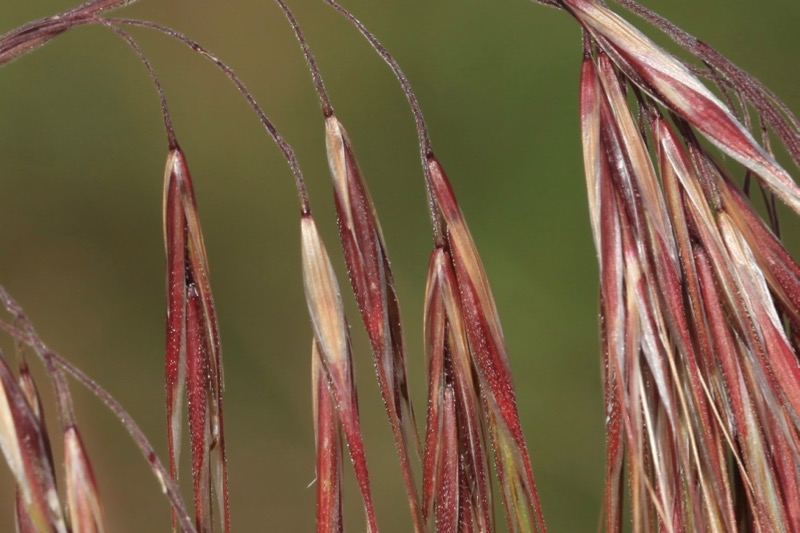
x=700, y=309
x=700, y=301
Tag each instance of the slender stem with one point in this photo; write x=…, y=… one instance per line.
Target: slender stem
x=425, y=146
x=319, y=84
x=283, y=145
x=29, y=36
x=138, y=436
x=170, y=130
x=416, y=109
x=95, y=7
x=66, y=411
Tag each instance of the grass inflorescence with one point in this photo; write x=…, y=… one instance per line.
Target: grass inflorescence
x=699, y=313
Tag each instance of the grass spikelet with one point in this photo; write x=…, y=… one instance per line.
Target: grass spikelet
x=24, y=443
x=329, y=450
x=450, y=367
x=447, y=505
x=31, y=392
x=371, y=278
x=488, y=350
x=435, y=335
x=193, y=358
x=83, y=501
x=607, y=231
x=671, y=82
x=333, y=341
x=373, y=285
x=39, y=32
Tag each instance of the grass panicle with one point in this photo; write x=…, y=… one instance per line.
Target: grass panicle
x=698, y=296
x=699, y=313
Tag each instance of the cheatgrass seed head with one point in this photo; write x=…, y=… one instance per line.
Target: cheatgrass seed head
x=367, y=265
x=175, y=356
x=697, y=293
x=325, y=305
x=450, y=367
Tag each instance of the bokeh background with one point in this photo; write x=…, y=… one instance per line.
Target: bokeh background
x=82, y=153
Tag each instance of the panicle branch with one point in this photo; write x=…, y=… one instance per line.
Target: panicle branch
x=487, y=352
x=30, y=36
x=371, y=279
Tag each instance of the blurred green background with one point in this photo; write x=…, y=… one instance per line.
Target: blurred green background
x=82, y=154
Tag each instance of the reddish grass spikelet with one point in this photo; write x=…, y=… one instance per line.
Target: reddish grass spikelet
x=608, y=241
x=489, y=355
x=83, y=501
x=447, y=505
x=435, y=337
x=193, y=356
x=30, y=36
x=24, y=444
x=672, y=83
x=327, y=435
x=370, y=277
x=331, y=334
x=450, y=366
x=373, y=285
x=31, y=392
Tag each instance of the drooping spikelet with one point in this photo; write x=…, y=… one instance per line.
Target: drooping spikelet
x=450, y=367
x=489, y=359
x=332, y=344
x=83, y=500
x=467, y=305
x=373, y=285
x=25, y=445
x=327, y=433
x=193, y=356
